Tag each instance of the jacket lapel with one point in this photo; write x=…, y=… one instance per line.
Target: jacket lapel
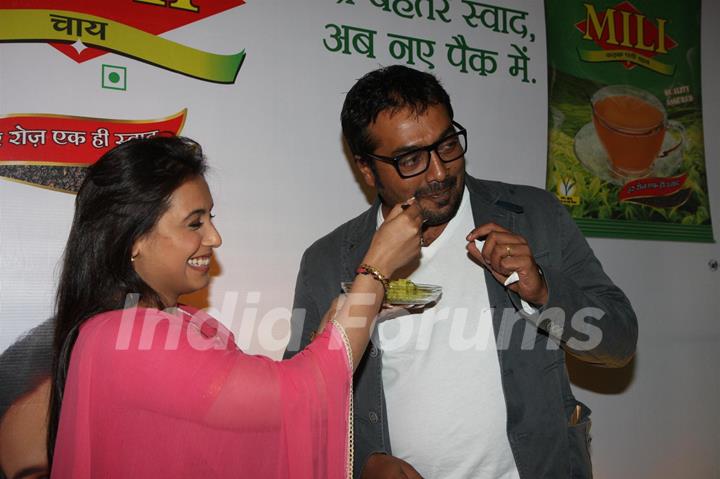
x=487, y=206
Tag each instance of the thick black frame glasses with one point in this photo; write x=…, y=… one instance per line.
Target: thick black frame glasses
x=416, y=162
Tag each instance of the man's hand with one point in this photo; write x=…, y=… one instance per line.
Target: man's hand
x=504, y=253
x=383, y=466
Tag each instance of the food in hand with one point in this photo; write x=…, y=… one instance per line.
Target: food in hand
x=404, y=292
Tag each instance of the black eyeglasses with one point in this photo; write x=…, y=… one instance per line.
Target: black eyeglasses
x=415, y=162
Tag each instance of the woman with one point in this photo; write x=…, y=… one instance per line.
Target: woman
x=150, y=388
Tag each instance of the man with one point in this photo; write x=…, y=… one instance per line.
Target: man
x=474, y=385
x=24, y=397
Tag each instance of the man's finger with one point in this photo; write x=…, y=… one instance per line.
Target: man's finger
x=505, y=251
x=484, y=230
x=516, y=263
x=474, y=250
x=410, y=471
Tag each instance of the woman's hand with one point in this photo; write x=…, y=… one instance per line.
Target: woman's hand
x=394, y=245
x=397, y=241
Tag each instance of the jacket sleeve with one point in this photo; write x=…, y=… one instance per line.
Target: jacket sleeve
x=305, y=317
x=590, y=316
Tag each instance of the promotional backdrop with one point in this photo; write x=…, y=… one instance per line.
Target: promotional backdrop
x=626, y=151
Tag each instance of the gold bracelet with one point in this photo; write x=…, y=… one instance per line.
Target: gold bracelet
x=372, y=271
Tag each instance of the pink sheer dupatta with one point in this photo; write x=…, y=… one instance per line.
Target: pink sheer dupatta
x=153, y=395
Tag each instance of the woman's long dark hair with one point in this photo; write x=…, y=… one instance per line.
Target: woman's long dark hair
x=120, y=200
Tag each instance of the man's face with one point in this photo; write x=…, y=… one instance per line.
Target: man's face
x=439, y=189
x=23, y=430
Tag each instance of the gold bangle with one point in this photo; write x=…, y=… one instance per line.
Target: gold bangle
x=372, y=271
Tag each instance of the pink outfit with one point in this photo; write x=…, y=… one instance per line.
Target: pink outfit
x=185, y=402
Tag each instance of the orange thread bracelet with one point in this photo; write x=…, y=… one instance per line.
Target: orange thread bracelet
x=372, y=271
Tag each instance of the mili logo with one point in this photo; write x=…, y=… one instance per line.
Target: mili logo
x=86, y=29
x=625, y=35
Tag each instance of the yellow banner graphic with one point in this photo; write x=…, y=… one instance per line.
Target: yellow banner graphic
x=596, y=56
x=31, y=25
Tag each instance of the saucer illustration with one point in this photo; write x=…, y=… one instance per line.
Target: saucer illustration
x=591, y=154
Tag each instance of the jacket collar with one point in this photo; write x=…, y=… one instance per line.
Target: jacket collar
x=487, y=203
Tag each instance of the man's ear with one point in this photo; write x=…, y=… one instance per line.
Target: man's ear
x=365, y=170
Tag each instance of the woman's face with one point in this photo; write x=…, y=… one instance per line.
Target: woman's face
x=174, y=257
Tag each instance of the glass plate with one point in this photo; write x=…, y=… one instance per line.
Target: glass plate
x=428, y=293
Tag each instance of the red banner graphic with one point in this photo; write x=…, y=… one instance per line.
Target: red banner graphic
x=652, y=187
x=151, y=16
x=62, y=140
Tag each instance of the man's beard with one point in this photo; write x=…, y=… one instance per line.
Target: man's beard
x=433, y=218
x=449, y=208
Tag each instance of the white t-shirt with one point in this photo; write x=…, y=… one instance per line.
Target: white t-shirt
x=440, y=369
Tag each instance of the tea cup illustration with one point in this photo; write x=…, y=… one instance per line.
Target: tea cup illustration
x=631, y=124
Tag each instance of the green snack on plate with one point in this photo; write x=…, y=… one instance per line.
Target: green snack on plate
x=404, y=290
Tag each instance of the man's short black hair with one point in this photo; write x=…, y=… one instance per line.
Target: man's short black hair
x=390, y=88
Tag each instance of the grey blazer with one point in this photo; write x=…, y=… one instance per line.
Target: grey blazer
x=583, y=306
